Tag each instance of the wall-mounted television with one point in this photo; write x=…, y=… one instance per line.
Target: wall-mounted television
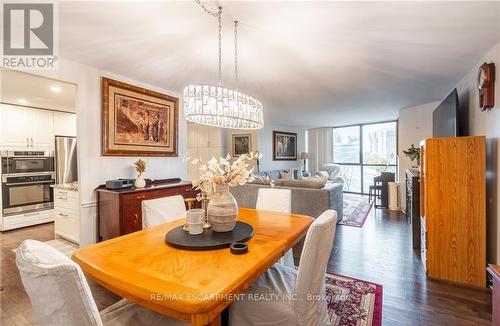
x=445, y=118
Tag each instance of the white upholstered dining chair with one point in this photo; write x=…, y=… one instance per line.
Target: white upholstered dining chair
x=277, y=200
x=162, y=210
x=60, y=294
x=297, y=298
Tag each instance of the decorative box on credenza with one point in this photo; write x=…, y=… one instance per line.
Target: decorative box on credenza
x=119, y=212
x=453, y=209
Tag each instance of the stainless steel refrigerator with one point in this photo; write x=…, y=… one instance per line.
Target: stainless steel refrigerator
x=66, y=160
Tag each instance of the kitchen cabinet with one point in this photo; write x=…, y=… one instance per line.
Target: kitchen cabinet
x=34, y=129
x=15, y=125
x=11, y=222
x=42, y=132
x=26, y=128
x=64, y=124
x=66, y=214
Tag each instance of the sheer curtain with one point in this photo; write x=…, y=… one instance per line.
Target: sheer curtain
x=320, y=147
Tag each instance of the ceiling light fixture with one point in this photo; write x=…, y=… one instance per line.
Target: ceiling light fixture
x=55, y=89
x=219, y=106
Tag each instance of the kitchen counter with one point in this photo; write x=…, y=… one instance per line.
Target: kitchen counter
x=66, y=186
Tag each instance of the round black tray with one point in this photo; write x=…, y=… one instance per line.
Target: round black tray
x=209, y=239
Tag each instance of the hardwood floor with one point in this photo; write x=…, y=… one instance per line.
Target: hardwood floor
x=15, y=305
x=379, y=252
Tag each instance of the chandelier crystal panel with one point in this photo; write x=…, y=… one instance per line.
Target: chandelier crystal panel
x=222, y=107
x=219, y=106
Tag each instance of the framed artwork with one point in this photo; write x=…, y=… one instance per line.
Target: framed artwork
x=242, y=144
x=137, y=121
x=284, y=146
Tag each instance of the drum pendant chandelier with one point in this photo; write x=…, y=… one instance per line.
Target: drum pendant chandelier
x=218, y=106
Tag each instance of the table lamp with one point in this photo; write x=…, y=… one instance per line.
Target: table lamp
x=257, y=153
x=304, y=156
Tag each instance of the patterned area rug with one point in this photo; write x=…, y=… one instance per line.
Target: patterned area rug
x=353, y=302
x=356, y=209
x=64, y=246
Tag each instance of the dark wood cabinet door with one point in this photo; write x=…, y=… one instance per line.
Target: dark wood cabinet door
x=134, y=198
x=131, y=219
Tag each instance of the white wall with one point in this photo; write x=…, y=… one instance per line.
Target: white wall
x=487, y=124
x=262, y=140
x=414, y=125
x=95, y=169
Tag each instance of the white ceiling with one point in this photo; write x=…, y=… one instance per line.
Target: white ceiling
x=20, y=88
x=310, y=63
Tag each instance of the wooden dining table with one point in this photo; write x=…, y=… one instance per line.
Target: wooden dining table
x=193, y=286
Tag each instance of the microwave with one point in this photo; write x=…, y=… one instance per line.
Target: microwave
x=15, y=162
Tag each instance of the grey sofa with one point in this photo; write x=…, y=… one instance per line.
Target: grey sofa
x=307, y=201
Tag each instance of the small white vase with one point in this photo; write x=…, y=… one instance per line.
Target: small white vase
x=140, y=182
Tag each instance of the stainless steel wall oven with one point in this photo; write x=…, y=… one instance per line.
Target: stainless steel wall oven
x=26, y=181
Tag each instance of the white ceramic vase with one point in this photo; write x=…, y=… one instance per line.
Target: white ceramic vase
x=140, y=182
x=222, y=210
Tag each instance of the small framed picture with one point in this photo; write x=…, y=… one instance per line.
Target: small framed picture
x=242, y=144
x=284, y=146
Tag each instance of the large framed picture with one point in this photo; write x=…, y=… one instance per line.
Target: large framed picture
x=284, y=146
x=137, y=121
x=242, y=144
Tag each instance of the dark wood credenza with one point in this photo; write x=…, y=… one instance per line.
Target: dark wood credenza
x=119, y=212
x=413, y=205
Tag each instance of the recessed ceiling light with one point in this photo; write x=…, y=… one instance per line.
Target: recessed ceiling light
x=21, y=101
x=55, y=89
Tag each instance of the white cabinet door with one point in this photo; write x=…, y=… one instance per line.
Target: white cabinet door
x=64, y=124
x=43, y=129
x=15, y=123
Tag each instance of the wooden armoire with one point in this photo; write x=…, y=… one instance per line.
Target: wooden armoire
x=453, y=209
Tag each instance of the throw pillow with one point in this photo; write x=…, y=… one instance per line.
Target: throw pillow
x=303, y=184
x=323, y=174
x=273, y=174
x=261, y=174
x=286, y=175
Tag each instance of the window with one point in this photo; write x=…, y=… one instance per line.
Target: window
x=346, y=144
x=364, y=151
x=379, y=143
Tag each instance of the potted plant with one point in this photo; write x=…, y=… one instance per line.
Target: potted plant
x=140, y=168
x=413, y=154
x=214, y=185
